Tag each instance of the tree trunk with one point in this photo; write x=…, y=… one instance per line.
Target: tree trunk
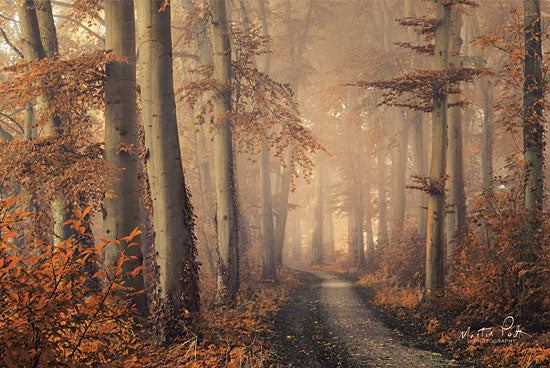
x=383, y=236
x=32, y=50
x=317, y=251
x=122, y=212
x=399, y=172
x=269, y=271
x=226, y=214
x=329, y=235
x=172, y=212
x=282, y=211
x=533, y=125
x=436, y=201
x=419, y=150
x=488, y=125
x=456, y=219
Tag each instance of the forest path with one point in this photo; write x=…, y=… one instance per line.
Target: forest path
x=328, y=324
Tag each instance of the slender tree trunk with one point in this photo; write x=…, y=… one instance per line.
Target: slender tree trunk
x=269, y=267
x=383, y=237
x=399, y=172
x=48, y=38
x=359, y=237
x=419, y=151
x=533, y=126
x=456, y=219
x=317, y=251
x=370, y=237
x=122, y=213
x=488, y=116
x=329, y=235
x=289, y=152
x=226, y=214
x=282, y=211
x=436, y=202
x=172, y=211
x=352, y=235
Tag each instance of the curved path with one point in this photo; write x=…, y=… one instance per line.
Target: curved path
x=328, y=324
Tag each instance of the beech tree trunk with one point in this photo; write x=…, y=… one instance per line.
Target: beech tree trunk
x=533, y=125
x=269, y=271
x=289, y=152
x=226, y=214
x=329, y=235
x=456, y=219
x=32, y=50
x=488, y=116
x=122, y=213
x=399, y=171
x=172, y=212
x=436, y=201
x=48, y=37
x=418, y=124
x=383, y=237
x=317, y=251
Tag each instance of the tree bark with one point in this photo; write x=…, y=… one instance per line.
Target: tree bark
x=456, y=219
x=226, y=214
x=172, y=211
x=488, y=116
x=398, y=182
x=269, y=271
x=436, y=201
x=419, y=150
x=383, y=237
x=122, y=212
x=317, y=251
x=533, y=125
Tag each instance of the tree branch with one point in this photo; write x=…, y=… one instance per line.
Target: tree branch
x=93, y=33
x=11, y=45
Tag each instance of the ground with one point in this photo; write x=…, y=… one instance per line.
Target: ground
x=328, y=323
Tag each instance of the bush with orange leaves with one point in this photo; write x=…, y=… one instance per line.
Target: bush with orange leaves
x=52, y=313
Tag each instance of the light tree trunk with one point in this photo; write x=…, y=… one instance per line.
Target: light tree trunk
x=269, y=271
x=282, y=211
x=329, y=235
x=269, y=256
x=317, y=251
x=226, y=214
x=488, y=116
x=122, y=212
x=399, y=171
x=456, y=219
x=172, y=211
x=370, y=236
x=289, y=152
x=419, y=150
x=533, y=125
x=436, y=202
x=383, y=237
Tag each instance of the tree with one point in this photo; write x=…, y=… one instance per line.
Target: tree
x=121, y=210
x=226, y=214
x=317, y=251
x=435, y=269
x=174, y=241
x=533, y=125
x=456, y=217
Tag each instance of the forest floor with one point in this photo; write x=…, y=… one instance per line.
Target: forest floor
x=328, y=323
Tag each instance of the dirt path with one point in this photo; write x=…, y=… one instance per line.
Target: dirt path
x=328, y=324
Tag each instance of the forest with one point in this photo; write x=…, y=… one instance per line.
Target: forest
x=274, y=183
